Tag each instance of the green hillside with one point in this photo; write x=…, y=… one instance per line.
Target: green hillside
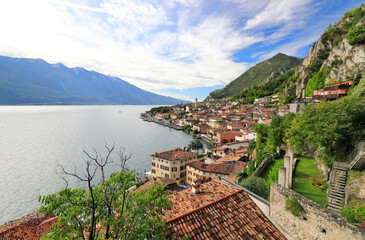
x=258, y=74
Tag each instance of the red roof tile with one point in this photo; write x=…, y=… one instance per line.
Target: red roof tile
x=235, y=216
x=184, y=201
x=31, y=226
x=225, y=168
x=174, y=154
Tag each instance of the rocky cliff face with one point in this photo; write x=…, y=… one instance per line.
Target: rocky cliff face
x=332, y=50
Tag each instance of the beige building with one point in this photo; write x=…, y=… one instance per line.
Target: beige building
x=171, y=164
x=206, y=172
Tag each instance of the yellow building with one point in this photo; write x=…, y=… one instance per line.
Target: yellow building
x=171, y=164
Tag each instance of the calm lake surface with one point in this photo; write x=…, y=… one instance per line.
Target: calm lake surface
x=36, y=140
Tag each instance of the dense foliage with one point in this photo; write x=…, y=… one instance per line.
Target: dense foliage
x=271, y=172
x=155, y=110
x=195, y=145
x=317, y=81
x=106, y=208
x=276, y=85
x=335, y=126
x=353, y=17
x=269, y=138
x=256, y=185
x=258, y=75
x=357, y=35
x=292, y=204
x=355, y=214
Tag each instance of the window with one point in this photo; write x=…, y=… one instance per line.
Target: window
x=166, y=176
x=153, y=171
x=182, y=168
x=153, y=164
x=162, y=166
x=174, y=169
x=167, y=168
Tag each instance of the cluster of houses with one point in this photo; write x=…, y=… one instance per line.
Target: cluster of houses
x=224, y=124
x=206, y=203
x=225, y=121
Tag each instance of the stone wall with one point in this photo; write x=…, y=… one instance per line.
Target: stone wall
x=263, y=165
x=316, y=222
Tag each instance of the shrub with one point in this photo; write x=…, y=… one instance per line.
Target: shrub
x=355, y=214
x=357, y=35
x=256, y=185
x=317, y=182
x=292, y=204
x=317, y=81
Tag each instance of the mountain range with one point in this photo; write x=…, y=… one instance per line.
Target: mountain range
x=34, y=81
x=338, y=55
x=258, y=74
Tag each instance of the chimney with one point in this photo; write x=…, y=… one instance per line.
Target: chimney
x=195, y=187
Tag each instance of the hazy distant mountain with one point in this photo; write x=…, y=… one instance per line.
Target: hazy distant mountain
x=34, y=81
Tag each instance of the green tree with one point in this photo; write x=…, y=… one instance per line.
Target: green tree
x=106, y=208
x=359, y=90
x=195, y=145
x=335, y=126
x=256, y=185
x=357, y=35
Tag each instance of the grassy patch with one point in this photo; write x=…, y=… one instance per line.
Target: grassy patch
x=354, y=174
x=304, y=170
x=271, y=172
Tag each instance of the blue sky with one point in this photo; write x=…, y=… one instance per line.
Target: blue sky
x=179, y=48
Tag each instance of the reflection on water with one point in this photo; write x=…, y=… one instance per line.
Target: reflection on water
x=34, y=140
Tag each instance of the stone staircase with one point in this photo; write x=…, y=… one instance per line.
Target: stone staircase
x=336, y=191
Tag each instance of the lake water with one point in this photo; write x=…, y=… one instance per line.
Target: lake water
x=36, y=140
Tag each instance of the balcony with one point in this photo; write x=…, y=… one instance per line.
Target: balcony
x=330, y=96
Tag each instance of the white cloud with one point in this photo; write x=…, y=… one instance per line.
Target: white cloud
x=152, y=44
x=290, y=48
x=279, y=12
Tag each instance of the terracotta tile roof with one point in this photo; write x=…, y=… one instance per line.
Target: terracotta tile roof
x=235, y=216
x=225, y=168
x=174, y=154
x=164, y=181
x=31, y=226
x=183, y=201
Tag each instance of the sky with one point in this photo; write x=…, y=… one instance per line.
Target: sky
x=179, y=48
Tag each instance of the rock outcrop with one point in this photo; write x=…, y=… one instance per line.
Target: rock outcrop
x=332, y=50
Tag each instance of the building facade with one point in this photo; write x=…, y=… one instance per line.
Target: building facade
x=171, y=164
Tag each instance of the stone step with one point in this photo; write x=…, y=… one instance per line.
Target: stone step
x=334, y=205
x=335, y=198
x=338, y=186
x=338, y=195
x=335, y=209
x=337, y=191
x=339, y=176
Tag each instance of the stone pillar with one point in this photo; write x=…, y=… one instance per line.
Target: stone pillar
x=291, y=166
x=282, y=176
x=291, y=153
x=287, y=167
